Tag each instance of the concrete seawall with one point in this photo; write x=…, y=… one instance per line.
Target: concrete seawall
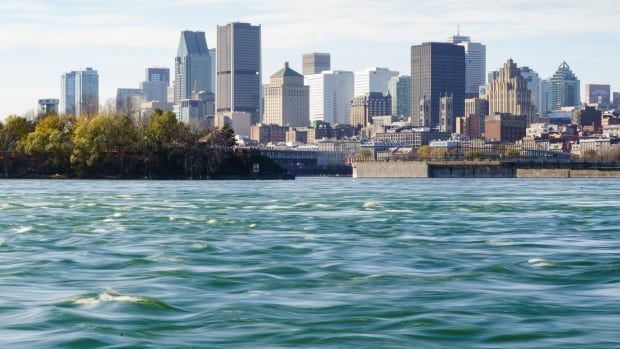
x=470, y=169
x=565, y=173
x=391, y=169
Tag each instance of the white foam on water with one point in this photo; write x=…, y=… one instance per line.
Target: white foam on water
x=253, y=225
x=539, y=262
x=321, y=206
x=4, y=206
x=2, y=242
x=23, y=229
x=212, y=221
x=117, y=214
x=277, y=207
x=172, y=218
x=199, y=245
x=103, y=297
x=369, y=205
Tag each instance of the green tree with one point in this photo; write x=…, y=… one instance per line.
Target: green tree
x=103, y=139
x=12, y=132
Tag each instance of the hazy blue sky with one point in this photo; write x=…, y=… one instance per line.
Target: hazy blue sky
x=41, y=39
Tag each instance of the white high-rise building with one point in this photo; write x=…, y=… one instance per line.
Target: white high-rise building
x=80, y=92
x=475, y=62
x=373, y=80
x=331, y=93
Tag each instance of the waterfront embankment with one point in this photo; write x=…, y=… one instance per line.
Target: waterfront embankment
x=482, y=169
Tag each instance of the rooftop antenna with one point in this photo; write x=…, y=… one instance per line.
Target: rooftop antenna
x=458, y=30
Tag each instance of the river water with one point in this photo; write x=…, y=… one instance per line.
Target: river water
x=311, y=263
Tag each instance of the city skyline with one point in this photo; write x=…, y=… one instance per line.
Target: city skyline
x=120, y=46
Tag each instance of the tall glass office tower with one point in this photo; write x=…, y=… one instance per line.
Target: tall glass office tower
x=239, y=69
x=192, y=66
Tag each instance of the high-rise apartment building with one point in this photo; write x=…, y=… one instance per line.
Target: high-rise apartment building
x=437, y=69
x=565, y=88
x=331, y=93
x=475, y=63
x=616, y=101
x=400, y=90
x=239, y=69
x=373, y=80
x=192, y=66
x=508, y=93
x=364, y=108
x=80, y=92
x=316, y=63
x=155, y=86
x=598, y=94
x=287, y=99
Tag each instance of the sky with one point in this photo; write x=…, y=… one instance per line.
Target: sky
x=41, y=39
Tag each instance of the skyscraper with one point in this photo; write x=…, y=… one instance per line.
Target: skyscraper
x=287, y=99
x=213, y=68
x=67, y=93
x=565, y=88
x=545, y=94
x=400, y=91
x=534, y=85
x=475, y=63
x=331, y=93
x=508, y=94
x=239, y=69
x=80, y=92
x=437, y=69
x=316, y=63
x=192, y=66
x=373, y=80
x=155, y=87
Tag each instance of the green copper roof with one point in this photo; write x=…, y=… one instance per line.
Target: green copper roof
x=286, y=72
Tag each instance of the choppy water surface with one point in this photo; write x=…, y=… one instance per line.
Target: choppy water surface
x=314, y=263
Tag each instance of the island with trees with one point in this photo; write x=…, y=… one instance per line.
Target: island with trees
x=113, y=146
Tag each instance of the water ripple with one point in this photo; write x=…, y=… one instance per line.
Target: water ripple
x=314, y=263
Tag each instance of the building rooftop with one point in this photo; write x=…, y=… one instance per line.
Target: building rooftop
x=286, y=72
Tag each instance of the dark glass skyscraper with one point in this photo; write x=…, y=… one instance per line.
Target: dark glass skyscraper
x=437, y=70
x=192, y=66
x=239, y=69
x=565, y=88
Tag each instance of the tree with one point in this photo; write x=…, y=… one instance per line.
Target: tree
x=51, y=143
x=11, y=133
x=218, y=142
x=103, y=138
x=424, y=153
